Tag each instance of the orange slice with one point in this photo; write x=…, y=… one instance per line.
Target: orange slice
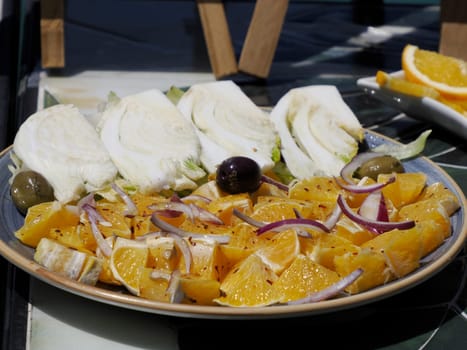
x=303, y=277
x=128, y=259
x=448, y=75
x=43, y=217
x=249, y=284
x=404, y=86
x=281, y=251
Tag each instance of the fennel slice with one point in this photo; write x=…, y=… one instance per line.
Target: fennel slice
x=306, y=140
x=298, y=163
x=225, y=116
x=149, y=140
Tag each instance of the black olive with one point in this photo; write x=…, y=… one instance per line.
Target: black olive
x=385, y=164
x=30, y=188
x=238, y=174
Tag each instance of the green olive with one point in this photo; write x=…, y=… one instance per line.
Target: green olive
x=385, y=164
x=30, y=188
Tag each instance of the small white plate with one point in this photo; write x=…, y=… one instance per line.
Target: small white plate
x=426, y=109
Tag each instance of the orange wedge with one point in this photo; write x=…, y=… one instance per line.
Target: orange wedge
x=404, y=86
x=448, y=75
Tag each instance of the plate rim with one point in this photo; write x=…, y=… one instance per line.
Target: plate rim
x=127, y=301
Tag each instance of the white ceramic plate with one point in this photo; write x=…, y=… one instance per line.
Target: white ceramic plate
x=426, y=109
x=22, y=256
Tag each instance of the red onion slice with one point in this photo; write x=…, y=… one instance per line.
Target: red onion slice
x=278, y=184
x=196, y=197
x=374, y=207
x=164, y=226
x=93, y=215
x=330, y=291
x=191, y=210
x=131, y=209
x=247, y=219
x=358, y=188
x=356, y=162
x=286, y=224
x=333, y=218
x=173, y=290
x=373, y=225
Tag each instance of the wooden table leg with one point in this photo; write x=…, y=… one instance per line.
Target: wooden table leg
x=217, y=36
x=263, y=36
x=453, y=36
x=52, y=34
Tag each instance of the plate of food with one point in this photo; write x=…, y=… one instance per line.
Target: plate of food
x=242, y=236
x=421, y=91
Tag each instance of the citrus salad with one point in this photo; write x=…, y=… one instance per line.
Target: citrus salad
x=314, y=239
x=185, y=198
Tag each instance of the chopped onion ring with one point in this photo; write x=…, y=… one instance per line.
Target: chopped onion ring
x=333, y=218
x=330, y=291
x=196, y=197
x=173, y=290
x=191, y=210
x=348, y=170
x=222, y=239
x=358, y=188
x=184, y=249
x=374, y=207
x=286, y=224
x=247, y=219
x=373, y=225
x=93, y=215
x=271, y=181
x=131, y=209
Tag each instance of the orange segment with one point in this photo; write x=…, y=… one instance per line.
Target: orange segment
x=199, y=291
x=270, y=209
x=43, y=217
x=405, y=190
x=152, y=288
x=281, y=250
x=244, y=236
x=404, y=86
x=376, y=272
x=208, y=261
x=163, y=253
x=249, y=284
x=448, y=75
x=127, y=261
x=223, y=207
x=70, y=236
x=325, y=247
x=113, y=212
x=302, y=278
x=443, y=195
x=432, y=220
x=350, y=230
x=402, y=248
x=321, y=191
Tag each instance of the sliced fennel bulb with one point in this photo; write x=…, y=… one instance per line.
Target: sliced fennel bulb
x=59, y=143
x=228, y=124
x=319, y=133
x=151, y=143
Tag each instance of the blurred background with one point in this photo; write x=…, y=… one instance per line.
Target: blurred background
x=154, y=36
